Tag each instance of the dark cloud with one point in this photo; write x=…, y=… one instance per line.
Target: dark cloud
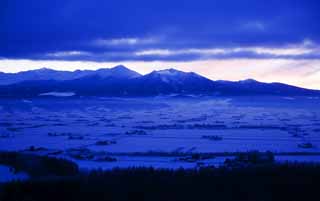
x=35, y=29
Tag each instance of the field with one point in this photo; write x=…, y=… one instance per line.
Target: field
x=162, y=132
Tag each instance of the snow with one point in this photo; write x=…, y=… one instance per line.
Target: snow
x=170, y=125
x=58, y=94
x=170, y=72
x=156, y=162
x=306, y=159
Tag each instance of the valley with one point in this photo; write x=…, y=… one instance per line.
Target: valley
x=162, y=131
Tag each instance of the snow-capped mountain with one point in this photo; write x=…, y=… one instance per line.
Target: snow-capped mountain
x=121, y=81
x=50, y=74
x=116, y=72
x=172, y=81
x=172, y=76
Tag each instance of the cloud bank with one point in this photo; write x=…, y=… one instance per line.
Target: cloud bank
x=184, y=33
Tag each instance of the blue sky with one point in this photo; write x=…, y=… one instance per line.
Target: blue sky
x=229, y=39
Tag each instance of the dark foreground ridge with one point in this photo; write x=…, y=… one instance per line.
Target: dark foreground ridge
x=121, y=81
x=261, y=180
x=269, y=183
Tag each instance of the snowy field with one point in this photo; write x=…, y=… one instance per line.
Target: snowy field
x=161, y=132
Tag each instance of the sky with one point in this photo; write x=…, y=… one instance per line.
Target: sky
x=271, y=41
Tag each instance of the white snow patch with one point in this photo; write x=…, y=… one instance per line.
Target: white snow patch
x=170, y=72
x=58, y=94
x=288, y=98
x=26, y=101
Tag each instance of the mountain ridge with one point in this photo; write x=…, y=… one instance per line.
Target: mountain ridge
x=51, y=74
x=121, y=81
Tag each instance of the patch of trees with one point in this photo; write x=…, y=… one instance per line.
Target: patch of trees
x=38, y=166
x=271, y=182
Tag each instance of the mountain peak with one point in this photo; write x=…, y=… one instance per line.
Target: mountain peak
x=175, y=77
x=247, y=81
x=169, y=72
x=43, y=69
x=122, y=67
x=121, y=70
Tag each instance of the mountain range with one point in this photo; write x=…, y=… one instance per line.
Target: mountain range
x=121, y=81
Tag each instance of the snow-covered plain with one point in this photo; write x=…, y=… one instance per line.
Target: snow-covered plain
x=162, y=131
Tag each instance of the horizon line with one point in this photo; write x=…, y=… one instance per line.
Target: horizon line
x=121, y=65
x=302, y=73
